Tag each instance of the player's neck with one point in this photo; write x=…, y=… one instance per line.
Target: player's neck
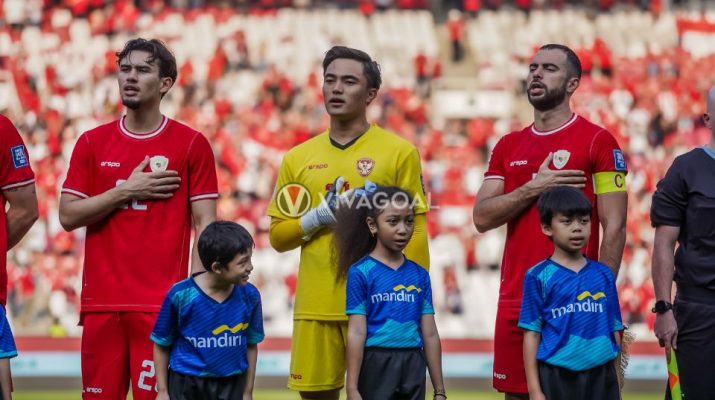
x=548, y=120
x=393, y=259
x=346, y=131
x=574, y=261
x=143, y=121
x=214, y=287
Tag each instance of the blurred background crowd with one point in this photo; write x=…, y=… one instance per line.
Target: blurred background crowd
x=250, y=80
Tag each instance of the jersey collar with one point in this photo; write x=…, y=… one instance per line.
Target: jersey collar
x=559, y=129
x=123, y=128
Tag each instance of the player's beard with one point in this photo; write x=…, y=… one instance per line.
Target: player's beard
x=550, y=99
x=131, y=103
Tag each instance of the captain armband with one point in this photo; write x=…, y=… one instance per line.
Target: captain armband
x=610, y=181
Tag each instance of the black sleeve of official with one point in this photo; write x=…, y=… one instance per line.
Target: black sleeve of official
x=670, y=199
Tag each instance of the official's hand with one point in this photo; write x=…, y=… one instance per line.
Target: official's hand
x=666, y=330
x=150, y=185
x=547, y=178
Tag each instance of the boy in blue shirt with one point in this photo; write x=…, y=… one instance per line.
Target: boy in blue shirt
x=206, y=334
x=570, y=310
x=7, y=351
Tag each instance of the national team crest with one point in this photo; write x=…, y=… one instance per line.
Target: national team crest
x=561, y=157
x=365, y=166
x=158, y=163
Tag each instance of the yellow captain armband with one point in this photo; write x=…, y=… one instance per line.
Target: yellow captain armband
x=610, y=181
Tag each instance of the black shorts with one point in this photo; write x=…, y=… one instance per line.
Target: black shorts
x=187, y=387
x=599, y=383
x=392, y=374
x=695, y=349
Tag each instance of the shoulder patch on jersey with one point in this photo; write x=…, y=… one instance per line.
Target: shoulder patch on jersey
x=19, y=156
x=619, y=160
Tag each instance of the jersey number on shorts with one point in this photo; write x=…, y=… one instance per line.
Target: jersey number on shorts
x=135, y=204
x=146, y=375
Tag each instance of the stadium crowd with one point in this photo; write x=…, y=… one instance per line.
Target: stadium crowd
x=239, y=86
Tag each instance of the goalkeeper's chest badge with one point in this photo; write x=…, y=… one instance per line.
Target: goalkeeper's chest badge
x=561, y=157
x=365, y=166
x=158, y=163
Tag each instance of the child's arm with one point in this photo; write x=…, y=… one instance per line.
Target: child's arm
x=5, y=379
x=252, y=355
x=531, y=345
x=433, y=354
x=357, y=331
x=161, y=364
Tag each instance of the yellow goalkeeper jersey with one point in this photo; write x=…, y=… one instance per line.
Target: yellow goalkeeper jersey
x=308, y=172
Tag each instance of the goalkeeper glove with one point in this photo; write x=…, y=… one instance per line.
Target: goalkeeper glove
x=322, y=215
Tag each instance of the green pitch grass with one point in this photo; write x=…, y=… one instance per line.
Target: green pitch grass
x=288, y=395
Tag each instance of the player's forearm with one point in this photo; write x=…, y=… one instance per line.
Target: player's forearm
x=252, y=355
x=77, y=212
x=531, y=367
x=663, y=266
x=161, y=365
x=496, y=211
x=203, y=213
x=433, y=354
x=285, y=234
x=417, y=249
x=357, y=331
x=614, y=240
x=20, y=217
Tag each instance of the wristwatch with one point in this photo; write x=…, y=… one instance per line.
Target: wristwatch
x=661, y=306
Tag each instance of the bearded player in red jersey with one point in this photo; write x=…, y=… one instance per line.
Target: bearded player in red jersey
x=139, y=184
x=559, y=148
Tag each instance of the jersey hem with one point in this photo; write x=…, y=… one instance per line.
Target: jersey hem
x=317, y=317
x=75, y=192
x=120, y=308
x=18, y=184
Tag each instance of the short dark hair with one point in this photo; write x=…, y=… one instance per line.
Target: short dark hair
x=158, y=51
x=571, y=58
x=371, y=68
x=221, y=241
x=563, y=200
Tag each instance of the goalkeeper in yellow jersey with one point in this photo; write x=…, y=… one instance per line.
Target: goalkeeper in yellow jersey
x=312, y=177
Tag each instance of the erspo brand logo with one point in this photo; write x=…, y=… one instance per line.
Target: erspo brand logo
x=293, y=200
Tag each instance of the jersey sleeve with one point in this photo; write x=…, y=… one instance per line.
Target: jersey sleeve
x=356, y=292
x=532, y=303
x=285, y=176
x=78, y=177
x=15, y=169
x=7, y=342
x=427, y=307
x=409, y=177
x=166, y=328
x=255, y=333
x=496, y=168
x=608, y=164
x=203, y=183
x=613, y=303
x=670, y=199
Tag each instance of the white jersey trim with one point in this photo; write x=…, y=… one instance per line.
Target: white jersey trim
x=562, y=127
x=155, y=132
x=204, y=196
x=18, y=184
x=75, y=192
x=486, y=178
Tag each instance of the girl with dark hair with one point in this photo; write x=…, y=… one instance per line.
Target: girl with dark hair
x=392, y=335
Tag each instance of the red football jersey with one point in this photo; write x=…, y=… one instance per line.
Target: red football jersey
x=15, y=172
x=516, y=158
x=134, y=256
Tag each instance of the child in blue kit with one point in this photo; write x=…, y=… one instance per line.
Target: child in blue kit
x=570, y=311
x=7, y=351
x=392, y=335
x=206, y=333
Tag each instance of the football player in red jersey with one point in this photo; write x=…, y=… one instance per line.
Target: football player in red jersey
x=139, y=184
x=559, y=148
